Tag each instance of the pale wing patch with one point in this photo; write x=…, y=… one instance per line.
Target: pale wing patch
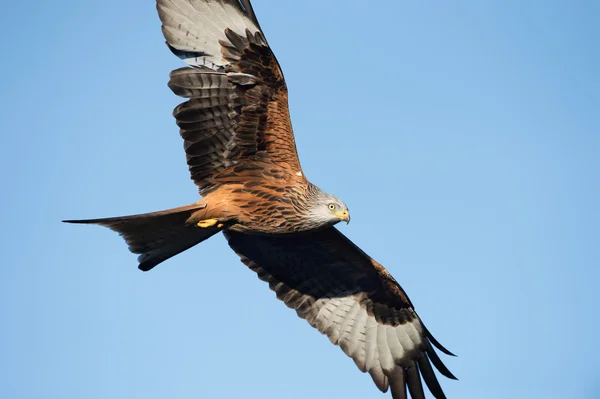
x=193, y=28
x=372, y=345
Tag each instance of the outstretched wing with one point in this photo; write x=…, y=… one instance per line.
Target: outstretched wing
x=237, y=110
x=352, y=299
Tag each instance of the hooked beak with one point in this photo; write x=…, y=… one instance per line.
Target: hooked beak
x=345, y=216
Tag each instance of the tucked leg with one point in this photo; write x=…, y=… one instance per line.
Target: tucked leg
x=207, y=223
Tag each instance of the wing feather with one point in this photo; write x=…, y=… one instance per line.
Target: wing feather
x=238, y=102
x=398, y=384
x=429, y=377
x=353, y=300
x=346, y=340
x=413, y=382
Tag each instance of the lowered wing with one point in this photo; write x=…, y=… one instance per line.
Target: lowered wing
x=348, y=296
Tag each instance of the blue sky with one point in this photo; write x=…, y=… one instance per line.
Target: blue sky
x=463, y=135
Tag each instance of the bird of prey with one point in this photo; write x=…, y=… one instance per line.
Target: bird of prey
x=242, y=156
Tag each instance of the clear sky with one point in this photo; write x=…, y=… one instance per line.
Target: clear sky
x=463, y=135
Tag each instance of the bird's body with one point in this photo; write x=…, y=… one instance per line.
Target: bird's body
x=271, y=207
x=241, y=154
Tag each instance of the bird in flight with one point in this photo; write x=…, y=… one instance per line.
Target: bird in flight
x=241, y=154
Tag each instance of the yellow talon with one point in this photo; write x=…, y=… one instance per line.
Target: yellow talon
x=220, y=225
x=207, y=223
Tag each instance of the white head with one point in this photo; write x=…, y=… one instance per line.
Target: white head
x=326, y=209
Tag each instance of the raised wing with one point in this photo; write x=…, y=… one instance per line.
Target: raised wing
x=237, y=110
x=352, y=299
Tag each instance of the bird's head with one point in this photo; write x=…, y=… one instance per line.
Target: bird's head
x=326, y=209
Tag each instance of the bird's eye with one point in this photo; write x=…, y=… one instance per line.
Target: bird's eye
x=332, y=207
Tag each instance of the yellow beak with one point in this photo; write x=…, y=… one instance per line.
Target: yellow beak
x=345, y=216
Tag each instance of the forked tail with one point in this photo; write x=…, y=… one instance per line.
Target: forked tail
x=158, y=236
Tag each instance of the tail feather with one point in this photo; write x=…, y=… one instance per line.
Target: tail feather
x=157, y=236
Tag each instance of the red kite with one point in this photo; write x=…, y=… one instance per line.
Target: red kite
x=241, y=154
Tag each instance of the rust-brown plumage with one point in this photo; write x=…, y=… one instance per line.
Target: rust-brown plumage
x=242, y=155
